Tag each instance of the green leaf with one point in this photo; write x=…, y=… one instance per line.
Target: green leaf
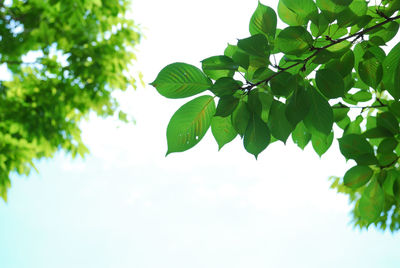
x=257, y=136
x=391, y=71
x=321, y=142
x=340, y=48
x=394, y=108
x=294, y=40
x=319, y=25
x=387, y=159
x=240, y=118
x=222, y=130
x=282, y=84
x=263, y=21
x=290, y=17
x=342, y=2
x=388, y=121
x=372, y=202
x=226, y=105
x=189, y=124
x=301, y=136
x=371, y=71
x=361, y=96
x=344, y=65
x=180, y=80
x=352, y=13
x=320, y=116
x=302, y=8
x=297, y=105
x=377, y=132
x=225, y=86
x=266, y=100
x=330, y=9
x=278, y=124
x=219, y=66
x=330, y=83
x=390, y=180
x=387, y=32
x=339, y=112
x=357, y=176
x=387, y=145
x=256, y=45
x=354, y=126
x=353, y=146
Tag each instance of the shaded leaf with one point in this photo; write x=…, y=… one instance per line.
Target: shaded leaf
x=240, y=118
x=357, y=176
x=388, y=121
x=320, y=116
x=297, y=105
x=225, y=86
x=226, y=105
x=330, y=83
x=353, y=146
x=257, y=136
x=278, y=124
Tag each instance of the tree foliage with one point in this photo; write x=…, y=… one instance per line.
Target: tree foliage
x=64, y=58
x=327, y=75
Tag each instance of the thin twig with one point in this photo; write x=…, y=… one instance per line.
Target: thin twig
x=317, y=50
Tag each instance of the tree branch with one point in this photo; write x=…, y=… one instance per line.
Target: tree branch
x=359, y=107
x=334, y=42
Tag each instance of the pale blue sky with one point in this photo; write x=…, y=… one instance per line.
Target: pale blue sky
x=126, y=205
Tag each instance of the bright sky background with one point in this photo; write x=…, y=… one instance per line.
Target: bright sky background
x=126, y=205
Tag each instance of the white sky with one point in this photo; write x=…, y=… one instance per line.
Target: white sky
x=127, y=205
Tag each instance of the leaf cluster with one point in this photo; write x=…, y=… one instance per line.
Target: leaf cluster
x=325, y=75
x=64, y=59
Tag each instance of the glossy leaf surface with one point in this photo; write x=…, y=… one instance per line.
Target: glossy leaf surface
x=189, y=124
x=181, y=80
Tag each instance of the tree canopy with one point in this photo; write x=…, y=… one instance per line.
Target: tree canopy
x=328, y=74
x=64, y=58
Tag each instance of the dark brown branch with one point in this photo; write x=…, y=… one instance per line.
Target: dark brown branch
x=359, y=107
x=317, y=50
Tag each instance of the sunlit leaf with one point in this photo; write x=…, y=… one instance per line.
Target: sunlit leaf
x=372, y=202
x=294, y=40
x=321, y=142
x=263, y=21
x=189, y=124
x=180, y=80
x=219, y=66
x=222, y=130
x=301, y=136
